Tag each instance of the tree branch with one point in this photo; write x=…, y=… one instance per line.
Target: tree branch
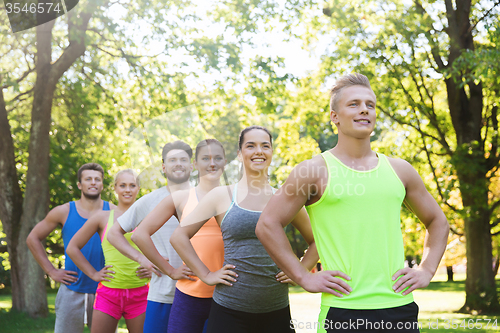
x=105, y=51
x=442, y=139
x=472, y=27
x=494, y=206
x=438, y=186
x=455, y=231
x=21, y=94
x=76, y=36
x=433, y=44
x=428, y=111
x=494, y=157
x=402, y=122
x=494, y=223
x=100, y=86
x=25, y=74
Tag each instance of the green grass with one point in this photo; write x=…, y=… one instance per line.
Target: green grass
x=13, y=321
x=438, y=305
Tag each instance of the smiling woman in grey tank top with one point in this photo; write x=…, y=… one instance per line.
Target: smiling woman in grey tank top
x=256, y=290
x=249, y=296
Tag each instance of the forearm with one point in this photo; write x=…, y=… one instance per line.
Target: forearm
x=143, y=240
x=40, y=255
x=80, y=261
x=274, y=239
x=311, y=257
x=118, y=240
x=182, y=245
x=436, y=238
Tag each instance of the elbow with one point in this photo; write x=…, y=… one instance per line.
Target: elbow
x=135, y=238
x=28, y=240
x=262, y=228
x=445, y=225
x=111, y=237
x=31, y=241
x=446, y=228
x=173, y=238
x=70, y=250
x=138, y=239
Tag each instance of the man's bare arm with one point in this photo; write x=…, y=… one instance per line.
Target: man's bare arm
x=34, y=240
x=116, y=237
x=290, y=199
x=419, y=201
x=142, y=237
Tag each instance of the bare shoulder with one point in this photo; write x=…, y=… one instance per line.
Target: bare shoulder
x=61, y=209
x=100, y=218
x=221, y=191
x=221, y=197
x=102, y=214
x=58, y=214
x=310, y=170
x=178, y=196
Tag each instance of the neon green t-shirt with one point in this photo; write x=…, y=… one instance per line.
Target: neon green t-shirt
x=357, y=229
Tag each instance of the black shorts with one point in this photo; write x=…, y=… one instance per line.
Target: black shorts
x=401, y=319
x=225, y=320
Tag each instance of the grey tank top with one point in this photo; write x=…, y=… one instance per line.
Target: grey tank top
x=256, y=289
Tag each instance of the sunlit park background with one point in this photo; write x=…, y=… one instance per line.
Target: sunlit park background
x=112, y=80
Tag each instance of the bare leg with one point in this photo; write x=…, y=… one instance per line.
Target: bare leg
x=135, y=325
x=103, y=322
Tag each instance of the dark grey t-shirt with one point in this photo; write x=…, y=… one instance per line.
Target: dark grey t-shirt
x=256, y=289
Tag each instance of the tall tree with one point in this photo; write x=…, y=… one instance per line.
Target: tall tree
x=19, y=213
x=89, y=45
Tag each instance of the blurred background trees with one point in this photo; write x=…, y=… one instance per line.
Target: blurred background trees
x=101, y=82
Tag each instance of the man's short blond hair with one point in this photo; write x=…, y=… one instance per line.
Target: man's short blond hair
x=349, y=80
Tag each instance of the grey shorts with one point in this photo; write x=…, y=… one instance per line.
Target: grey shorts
x=73, y=310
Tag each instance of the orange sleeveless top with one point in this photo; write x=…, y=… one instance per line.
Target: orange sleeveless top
x=208, y=244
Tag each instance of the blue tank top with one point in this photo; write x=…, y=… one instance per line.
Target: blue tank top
x=92, y=251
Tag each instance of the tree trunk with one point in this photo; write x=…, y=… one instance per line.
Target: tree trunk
x=19, y=216
x=28, y=274
x=495, y=267
x=10, y=198
x=465, y=102
x=480, y=288
x=449, y=272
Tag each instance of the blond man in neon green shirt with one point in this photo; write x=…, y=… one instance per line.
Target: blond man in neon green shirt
x=353, y=196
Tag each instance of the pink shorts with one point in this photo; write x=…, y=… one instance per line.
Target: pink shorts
x=128, y=303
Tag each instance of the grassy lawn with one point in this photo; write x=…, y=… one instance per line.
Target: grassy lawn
x=11, y=321
x=438, y=305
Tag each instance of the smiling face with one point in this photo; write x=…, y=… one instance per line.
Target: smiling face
x=177, y=166
x=126, y=188
x=91, y=184
x=256, y=151
x=210, y=161
x=354, y=113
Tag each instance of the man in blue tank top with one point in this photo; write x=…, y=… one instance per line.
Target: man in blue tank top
x=76, y=294
x=356, y=227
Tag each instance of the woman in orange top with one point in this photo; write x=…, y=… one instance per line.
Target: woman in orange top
x=193, y=298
